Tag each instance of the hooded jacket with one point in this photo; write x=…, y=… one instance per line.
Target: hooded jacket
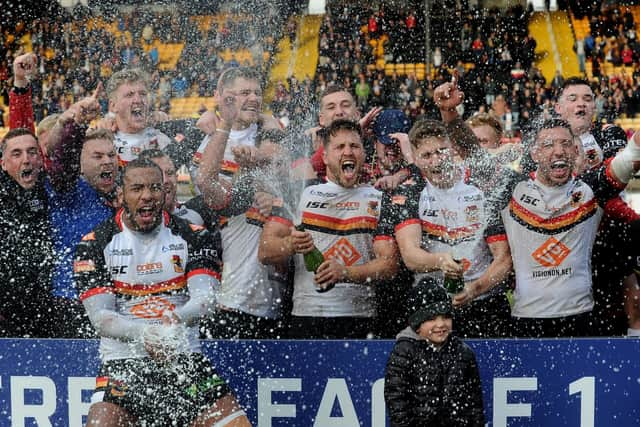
x=27, y=258
x=432, y=386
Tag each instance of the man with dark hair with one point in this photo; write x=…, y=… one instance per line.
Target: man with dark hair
x=551, y=220
x=146, y=279
x=576, y=105
x=342, y=220
x=26, y=309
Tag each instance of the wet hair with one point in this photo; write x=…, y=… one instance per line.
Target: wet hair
x=574, y=81
x=129, y=75
x=98, y=134
x=230, y=75
x=427, y=128
x=334, y=88
x=550, y=124
x=337, y=126
x=139, y=163
x=14, y=133
x=485, y=119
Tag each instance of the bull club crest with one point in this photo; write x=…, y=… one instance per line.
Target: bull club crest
x=576, y=198
x=372, y=207
x=472, y=213
x=177, y=264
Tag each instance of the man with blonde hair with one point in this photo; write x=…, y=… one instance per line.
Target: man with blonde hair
x=128, y=93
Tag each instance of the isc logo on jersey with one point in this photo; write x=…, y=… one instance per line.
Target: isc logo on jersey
x=313, y=204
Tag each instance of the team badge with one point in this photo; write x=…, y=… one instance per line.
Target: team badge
x=177, y=264
x=372, y=207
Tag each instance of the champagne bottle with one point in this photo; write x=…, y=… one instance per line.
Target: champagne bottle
x=452, y=284
x=312, y=261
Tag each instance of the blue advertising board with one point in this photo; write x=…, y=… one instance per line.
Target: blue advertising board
x=578, y=383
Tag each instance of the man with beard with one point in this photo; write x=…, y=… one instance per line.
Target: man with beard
x=576, y=105
x=551, y=219
x=146, y=278
x=342, y=220
x=441, y=230
x=127, y=91
x=25, y=239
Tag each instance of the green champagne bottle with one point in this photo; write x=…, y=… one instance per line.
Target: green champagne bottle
x=454, y=285
x=313, y=259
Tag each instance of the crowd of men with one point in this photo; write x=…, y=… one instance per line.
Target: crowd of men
x=319, y=234
x=386, y=203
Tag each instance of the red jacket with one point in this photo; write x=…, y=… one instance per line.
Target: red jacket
x=21, y=109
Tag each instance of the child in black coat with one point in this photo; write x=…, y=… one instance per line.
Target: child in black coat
x=432, y=377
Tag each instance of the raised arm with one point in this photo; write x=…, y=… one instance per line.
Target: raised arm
x=20, y=104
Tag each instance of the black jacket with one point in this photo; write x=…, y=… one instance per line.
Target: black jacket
x=26, y=259
x=425, y=386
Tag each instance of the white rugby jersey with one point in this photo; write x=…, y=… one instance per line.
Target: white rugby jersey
x=245, y=136
x=147, y=273
x=247, y=285
x=344, y=223
x=130, y=145
x=551, y=231
x=452, y=220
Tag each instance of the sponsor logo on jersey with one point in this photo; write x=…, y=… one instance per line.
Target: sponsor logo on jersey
x=555, y=272
x=177, y=264
x=372, y=208
x=448, y=214
x=551, y=253
x=152, y=308
x=173, y=247
x=430, y=213
x=206, y=252
x=83, y=266
x=121, y=252
x=322, y=194
x=149, y=268
x=119, y=270
x=525, y=198
x=473, y=198
x=344, y=252
x=314, y=204
x=348, y=206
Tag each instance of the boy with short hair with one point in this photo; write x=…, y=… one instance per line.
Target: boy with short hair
x=432, y=377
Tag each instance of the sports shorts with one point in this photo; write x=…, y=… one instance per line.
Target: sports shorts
x=161, y=394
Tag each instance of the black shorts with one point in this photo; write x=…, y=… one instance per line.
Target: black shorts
x=161, y=394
